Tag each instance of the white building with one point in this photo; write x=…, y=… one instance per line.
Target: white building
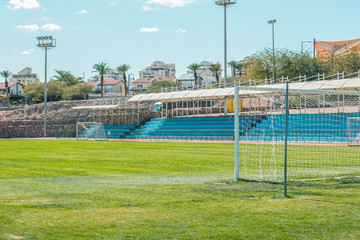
x=158, y=69
x=15, y=89
x=141, y=84
x=188, y=80
x=25, y=77
x=109, y=75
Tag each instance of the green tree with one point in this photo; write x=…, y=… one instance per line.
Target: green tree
x=56, y=90
x=216, y=69
x=101, y=69
x=66, y=77
x=35, y=91
x=122, y=69
x=194, y=67
x=77, y=92
x=160, y=85
x=6, y=74
x=288, y=64
x=348, y=62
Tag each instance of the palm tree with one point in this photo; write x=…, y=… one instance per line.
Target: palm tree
x=123, y=69
x=233, y=64
x=6, y=74
x=194, y=67
x=216, y=69
x=101, y=69
x=239, y=66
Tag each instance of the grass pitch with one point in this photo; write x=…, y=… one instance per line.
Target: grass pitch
x=132, y=190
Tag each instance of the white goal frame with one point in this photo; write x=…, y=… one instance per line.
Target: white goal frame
x=95, y=131
x=353, y=135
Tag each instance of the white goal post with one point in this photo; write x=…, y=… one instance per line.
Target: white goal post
x=354, y=131
x=90, y=131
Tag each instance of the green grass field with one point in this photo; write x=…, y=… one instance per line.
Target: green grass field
x=137, y=190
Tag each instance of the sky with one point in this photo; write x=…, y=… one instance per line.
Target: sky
x=138, y=32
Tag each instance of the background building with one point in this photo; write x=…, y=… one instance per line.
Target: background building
x=158, y=69
x=110, y=75
x=25, y=77
x=15, y=89
x=143, y=83
x=111, y=88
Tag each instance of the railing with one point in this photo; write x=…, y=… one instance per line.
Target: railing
x=255, y=82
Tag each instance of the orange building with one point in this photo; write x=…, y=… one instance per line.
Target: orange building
x=325, y=50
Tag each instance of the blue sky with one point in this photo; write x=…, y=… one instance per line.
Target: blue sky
x=138, y=32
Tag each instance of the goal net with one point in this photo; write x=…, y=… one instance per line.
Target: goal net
x=354, y=131
x=90, y=131
x=321, y=125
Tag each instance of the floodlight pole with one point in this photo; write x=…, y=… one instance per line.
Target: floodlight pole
x=273, y=21
x=46, y=43
x=225, y=4
x=45, y=95
x=286, y=137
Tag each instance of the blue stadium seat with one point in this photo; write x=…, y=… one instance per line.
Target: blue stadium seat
x=192, y=128
x=324, y=128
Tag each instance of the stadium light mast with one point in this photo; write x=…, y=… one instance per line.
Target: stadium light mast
x=273, y=21
x=225, y=4
x=46, y=42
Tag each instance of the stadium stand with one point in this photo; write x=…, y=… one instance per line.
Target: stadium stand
x=326, y=128
x=117, y=132
x=194, y=128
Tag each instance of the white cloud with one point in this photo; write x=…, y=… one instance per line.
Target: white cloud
x=29, y=27
x=51, y=27
x=181, y=30
x=26, y=4
x=35, y=27
x=25, y=52
x=113, y=3
x=83, y=11
x=28, y=52
x=149, y=30
x=147, y=8
x=170, y=3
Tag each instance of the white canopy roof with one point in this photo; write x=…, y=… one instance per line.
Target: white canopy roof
x=222, y=93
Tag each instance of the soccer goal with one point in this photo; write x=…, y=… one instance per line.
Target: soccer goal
x=314, y=135
x=354, y=131
x=90, y=131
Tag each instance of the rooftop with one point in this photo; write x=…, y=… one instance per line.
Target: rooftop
x=164, y=79
x=143, y=80
x=2, y=85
